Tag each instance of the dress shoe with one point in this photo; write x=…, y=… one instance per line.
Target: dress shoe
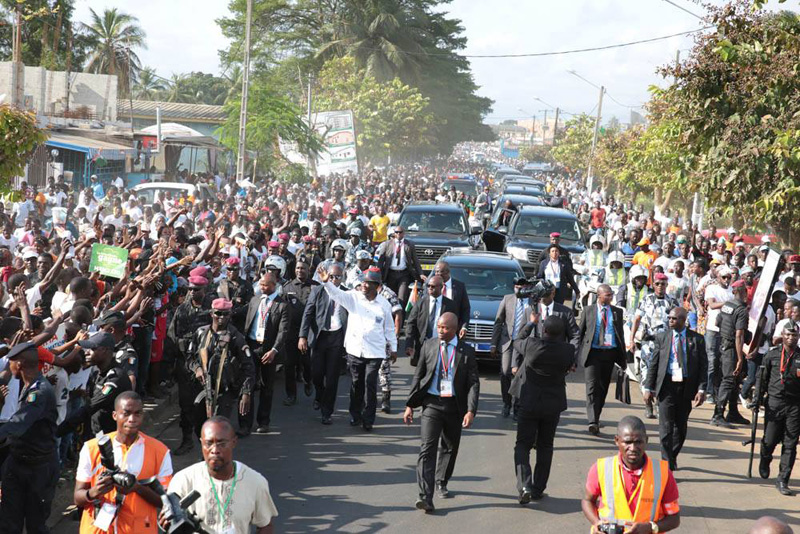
x=506, y=410
x=262, y=429
x=763, y=468
x=783, y=488
x=594, y=429
x=648, y=411
x=315, y=405
x=737, y=419
x=307, y=390
x=243, y=432
x=386, y=403
x=711, y=400
x=525, y=496
x=290, y=401
x=326, y=420
x=355, y=422
x=537, y=495
x=366, y=426
x=425, y=505
x=442, y=491
x=719, y=421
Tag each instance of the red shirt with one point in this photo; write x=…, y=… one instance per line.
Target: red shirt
x=598, y=217
x=669, y=502
x=45, y=357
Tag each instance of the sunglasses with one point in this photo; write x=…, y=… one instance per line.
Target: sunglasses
x=335, y=276
x=433, y=285
x=726, y=277
x=221, y=313
x=659, y=283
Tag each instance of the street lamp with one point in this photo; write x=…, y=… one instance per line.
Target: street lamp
x=589, y=171
x=533, y=125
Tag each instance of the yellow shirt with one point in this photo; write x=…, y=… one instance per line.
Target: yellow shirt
x=380, y=227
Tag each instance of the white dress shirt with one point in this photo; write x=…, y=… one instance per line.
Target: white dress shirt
x=370, y=327
x=401, y=266
x=447, y=290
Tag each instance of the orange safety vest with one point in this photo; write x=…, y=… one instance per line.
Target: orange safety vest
x=615, y=506
x=135, y=516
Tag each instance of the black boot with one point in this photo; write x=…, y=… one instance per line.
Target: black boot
x=187, y=444
x=386, y=406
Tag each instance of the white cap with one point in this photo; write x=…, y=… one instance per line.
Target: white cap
x=724, y=271
x=765, y=239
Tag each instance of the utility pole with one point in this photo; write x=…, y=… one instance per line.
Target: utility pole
x=17, y=69
x=69, y=65
x=555, y=126
x=311, y=129
x=245, y=84
x=544, y=127
x=590, y=177
x=533, y=130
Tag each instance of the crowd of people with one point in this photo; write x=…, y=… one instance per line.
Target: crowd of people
x=224, y=292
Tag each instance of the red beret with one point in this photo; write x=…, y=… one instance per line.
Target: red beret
x=555, y=234
x=198, y=281
x=794, y=258
x=200, y=270
x=284, y=236
x=233, y=260
x=307, y=239
x=221, y=304
x=273, y=244
x=661, y=276
x=353, y=211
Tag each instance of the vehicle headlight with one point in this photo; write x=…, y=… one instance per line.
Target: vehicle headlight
x=518, y=253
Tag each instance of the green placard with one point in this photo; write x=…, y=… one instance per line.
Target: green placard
x=108, y=261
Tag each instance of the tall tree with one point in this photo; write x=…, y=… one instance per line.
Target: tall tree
x=113, y=36
x=149, y=85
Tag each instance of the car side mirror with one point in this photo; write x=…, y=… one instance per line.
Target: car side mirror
x=503, y=230
x=475, y=230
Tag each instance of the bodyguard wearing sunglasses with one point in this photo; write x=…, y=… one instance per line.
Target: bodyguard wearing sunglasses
x=421, y=323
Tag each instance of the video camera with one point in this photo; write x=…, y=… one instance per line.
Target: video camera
x=535, y=289
x=122, y=479
x=611, y=528
x=174, y=510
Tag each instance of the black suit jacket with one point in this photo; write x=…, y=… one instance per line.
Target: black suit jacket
x=695, y=374
x=315, y=315
x=587, y=326
x=572, y=334
x=567, y=276
x=386, y=258
x=278, y=323
x=461, y=301
x=540, y=383
x=466, y=384
x=417, y=323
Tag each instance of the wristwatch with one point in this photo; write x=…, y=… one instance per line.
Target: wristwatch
x=653, y=527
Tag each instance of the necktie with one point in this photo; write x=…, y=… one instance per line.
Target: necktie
x=517, y=319
x=432, y=319
x=677, y=341
x=397, y=252
x=605, y=325
x=444, y=290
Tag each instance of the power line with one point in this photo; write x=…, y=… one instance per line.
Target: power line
x=695, y=15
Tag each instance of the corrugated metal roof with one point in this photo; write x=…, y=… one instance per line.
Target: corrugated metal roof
x=171, y=110
x=85, y=142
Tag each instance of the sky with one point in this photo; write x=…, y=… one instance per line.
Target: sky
x=182, y=36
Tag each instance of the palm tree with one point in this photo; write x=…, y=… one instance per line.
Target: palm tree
x=177, y=90
x=112, y=37
x=149, y=85
x=384, y=36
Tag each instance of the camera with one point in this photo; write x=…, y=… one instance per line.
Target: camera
x=536, y=289
x=611, y=528
x=175, y=510
x=122, y=479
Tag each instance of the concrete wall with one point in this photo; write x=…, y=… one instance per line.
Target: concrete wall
x=45, y=91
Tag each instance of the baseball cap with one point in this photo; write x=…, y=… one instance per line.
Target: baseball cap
x=110, y=318
x=355, y=231
x=643, y=241
x=363, y=255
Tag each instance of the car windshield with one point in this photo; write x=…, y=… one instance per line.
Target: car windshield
x=468, y=188
x=538, y=226
x=424, y=221
x=484, y=282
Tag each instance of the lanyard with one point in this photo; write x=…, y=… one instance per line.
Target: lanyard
x=447, y=365
x=784, y=364
x=637, y=490
x=230, y=495
x=604, y=319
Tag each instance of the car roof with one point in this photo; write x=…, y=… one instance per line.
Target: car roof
x=527, y=200
x=423, y=205
x=476, y=257
x=547, y=211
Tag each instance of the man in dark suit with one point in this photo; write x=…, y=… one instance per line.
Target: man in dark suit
x=267, y=329
x=602, y=346
x=541, y=389
x=447, y=386
x=559, y=271
x=508, y=326
x=679, y=358
x=322, y=333
x=421, y=322
x=547, y=307
x=296, y=292
x=399, y=264
x=456, y=291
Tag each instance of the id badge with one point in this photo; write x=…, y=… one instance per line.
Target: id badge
x=446, y=388
x=229, y=530
x=608, y=339
x=677, y=373
x=105, y=516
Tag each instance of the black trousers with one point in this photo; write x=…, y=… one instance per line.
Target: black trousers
x=398, y=282
x=728, y=386
x=28, y=491
x=188, y=389
x=674, y=407
x=265, y=380
x=783, y=425
x=440, y=421
x=364, y=388
x=599, y=366
x=225, y=405
x=326, y=362
x=296, y=363
x=534, y=430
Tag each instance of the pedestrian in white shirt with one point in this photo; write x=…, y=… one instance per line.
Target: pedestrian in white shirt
x=370, y=338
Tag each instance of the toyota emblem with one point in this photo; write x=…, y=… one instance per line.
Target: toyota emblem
x=476, y=314
x=429, y=252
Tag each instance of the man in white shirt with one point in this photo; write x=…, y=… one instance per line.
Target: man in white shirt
x=716, y=296
x=369, y=339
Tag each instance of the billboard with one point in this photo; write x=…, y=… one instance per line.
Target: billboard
x=337, y=130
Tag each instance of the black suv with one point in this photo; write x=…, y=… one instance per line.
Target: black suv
x=436, y=228
x=529, y=234
x=488, y=276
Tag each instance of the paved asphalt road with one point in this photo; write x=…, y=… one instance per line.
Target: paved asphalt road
x=340, y=479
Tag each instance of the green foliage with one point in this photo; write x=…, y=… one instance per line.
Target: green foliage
x=111, y=37
x=574, y=149
x=149, y=86
x=537, y=153
x=19, y=137
x=292, y=173
x=391, y=118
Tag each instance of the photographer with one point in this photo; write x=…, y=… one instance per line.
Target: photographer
x=112, y=501
x=629, y=492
